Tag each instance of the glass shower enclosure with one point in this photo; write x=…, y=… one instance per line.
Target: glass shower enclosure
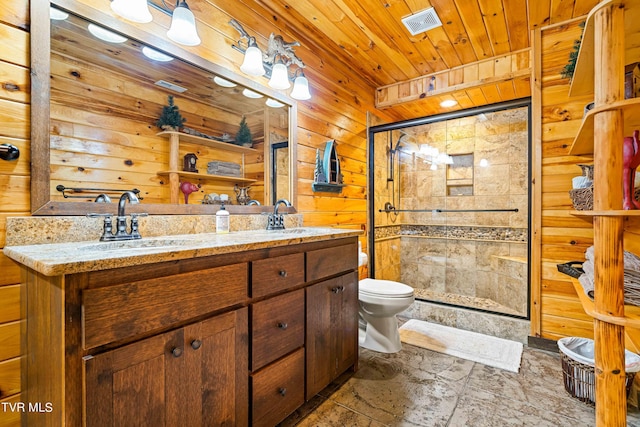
x=449, y=207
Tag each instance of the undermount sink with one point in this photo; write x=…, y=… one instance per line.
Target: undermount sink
x=134, y=244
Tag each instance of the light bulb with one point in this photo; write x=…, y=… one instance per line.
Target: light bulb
x=301, y=88
x=279, y=77
x=132, y=10
x=252, y=63
x=183, y=26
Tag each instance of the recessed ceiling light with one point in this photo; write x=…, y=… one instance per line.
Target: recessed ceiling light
x=57, y=14
x=155, y=55
x=273, y=103
x=251, y=94
x=106, y=35
x=222, y=82
x=448, y=103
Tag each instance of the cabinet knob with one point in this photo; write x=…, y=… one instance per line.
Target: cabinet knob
x=282, y=391
x=196, y=344
x=177, y=352
x=282, y=325
x=282, y=273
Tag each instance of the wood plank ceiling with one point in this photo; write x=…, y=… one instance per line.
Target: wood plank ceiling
x=369, y=37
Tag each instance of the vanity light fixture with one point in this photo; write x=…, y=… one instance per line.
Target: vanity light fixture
x=155, y=55
x=132, y=10
x=274, y=64
x=273, y=103
x=57, y=14
x=223, y=82
x=251, y=94
x=106, y=35
x=183, y=23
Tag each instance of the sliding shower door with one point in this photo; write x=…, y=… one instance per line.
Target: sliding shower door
x=450, y=207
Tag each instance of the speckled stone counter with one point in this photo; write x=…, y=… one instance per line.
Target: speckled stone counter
x=74, y=257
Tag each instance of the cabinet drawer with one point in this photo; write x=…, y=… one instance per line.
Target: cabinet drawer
x=276, y=274
x=278, y=390
x=277, y=327
x=118, y=312
x=330, y=261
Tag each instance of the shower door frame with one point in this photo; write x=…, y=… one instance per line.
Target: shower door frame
x=491, y=108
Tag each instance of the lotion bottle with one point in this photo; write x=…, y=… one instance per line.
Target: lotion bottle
x=222, y=220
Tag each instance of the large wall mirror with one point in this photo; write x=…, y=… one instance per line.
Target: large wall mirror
x=99, y=88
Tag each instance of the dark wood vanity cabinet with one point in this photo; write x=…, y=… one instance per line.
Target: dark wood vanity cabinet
x=242, y=338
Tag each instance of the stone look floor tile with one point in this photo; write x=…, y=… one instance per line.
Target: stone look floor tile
x=418, y=387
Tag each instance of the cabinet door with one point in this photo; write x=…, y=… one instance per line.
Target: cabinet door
x=194, y=376
x=332, y=330
x=216, y=375
x=129, y=385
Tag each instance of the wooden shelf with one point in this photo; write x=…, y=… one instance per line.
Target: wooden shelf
x=226, y=146
x=193, y=175
x=606, y=213
x=631, y=317
x=583, y=143
x=583, y=77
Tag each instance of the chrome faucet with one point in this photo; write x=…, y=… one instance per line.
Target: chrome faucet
x=121, y=220
x=276, y=220
x=253, y=202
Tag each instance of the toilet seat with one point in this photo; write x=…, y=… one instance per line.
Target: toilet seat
x=385, y=288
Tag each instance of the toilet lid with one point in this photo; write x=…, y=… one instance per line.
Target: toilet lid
x=387, y=288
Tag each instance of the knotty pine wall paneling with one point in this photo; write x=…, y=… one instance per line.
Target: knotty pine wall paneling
x=14, y=188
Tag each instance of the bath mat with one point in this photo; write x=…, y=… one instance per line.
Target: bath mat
x=485, y=349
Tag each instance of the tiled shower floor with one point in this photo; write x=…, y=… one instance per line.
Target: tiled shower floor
x=464, y=301
x=418, y=387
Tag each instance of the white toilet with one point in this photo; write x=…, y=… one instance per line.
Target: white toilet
x=380, y=301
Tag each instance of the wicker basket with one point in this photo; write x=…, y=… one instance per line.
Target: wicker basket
x=582, y=198
x=579, y=379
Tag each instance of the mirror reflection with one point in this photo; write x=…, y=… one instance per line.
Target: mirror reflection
x=125, y=116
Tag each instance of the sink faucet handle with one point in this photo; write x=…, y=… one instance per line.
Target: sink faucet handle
x=107, y=225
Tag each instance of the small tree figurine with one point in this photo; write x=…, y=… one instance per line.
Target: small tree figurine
x=243, y=137
x=170, y=118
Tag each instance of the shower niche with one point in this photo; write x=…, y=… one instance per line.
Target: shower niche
x=460, y=175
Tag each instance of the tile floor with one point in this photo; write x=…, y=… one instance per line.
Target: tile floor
x=418, y=387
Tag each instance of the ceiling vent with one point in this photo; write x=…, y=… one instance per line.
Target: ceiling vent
x=422, y=21
x=165, y=84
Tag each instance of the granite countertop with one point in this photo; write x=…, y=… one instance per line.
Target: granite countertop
x=65, y=258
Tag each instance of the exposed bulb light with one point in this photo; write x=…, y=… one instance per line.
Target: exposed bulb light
x=300, y=89
x=252, y=63
x=222, y=82
x=183, y=26
x=434, y=167
x=273, y=103
x=279, y=76
x=132, y=10
x=251, y=94
x=106, y=35
x=155, y=55
x=448, y=103
x=484, y=163
x=57, y=14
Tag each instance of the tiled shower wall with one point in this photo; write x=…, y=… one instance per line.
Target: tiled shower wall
x=472, y=254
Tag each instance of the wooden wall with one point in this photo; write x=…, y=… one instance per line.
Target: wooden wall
x=338, y=110
x=14, y=187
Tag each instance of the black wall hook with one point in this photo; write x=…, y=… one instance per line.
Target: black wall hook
x=9, y=152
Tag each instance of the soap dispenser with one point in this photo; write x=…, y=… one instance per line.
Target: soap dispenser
x=222, y=220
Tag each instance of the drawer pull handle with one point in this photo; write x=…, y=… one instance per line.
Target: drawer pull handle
x=282, y=325
x=282, y=391
x=177, y=352
x=196, y=344
x=337, y=289
x=282, y=273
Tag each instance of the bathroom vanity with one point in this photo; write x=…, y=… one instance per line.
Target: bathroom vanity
x=203, y=329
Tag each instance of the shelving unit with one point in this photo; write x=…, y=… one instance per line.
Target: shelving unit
x=174, y=173
x=600, y=71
